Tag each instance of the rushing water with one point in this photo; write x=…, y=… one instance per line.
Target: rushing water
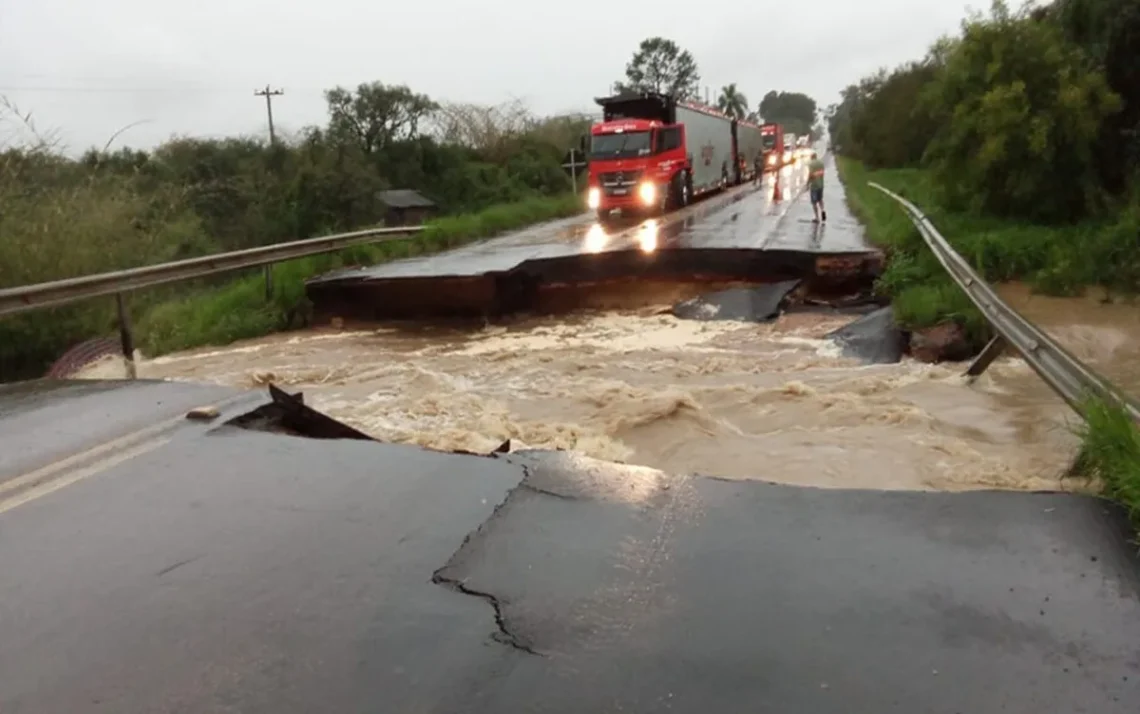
x=739, y=400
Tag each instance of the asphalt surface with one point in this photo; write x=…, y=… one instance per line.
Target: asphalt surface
x=225, y=570
x=44, y=421
x=748, y=217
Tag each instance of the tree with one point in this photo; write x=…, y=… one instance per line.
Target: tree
x=660, y=65
x=732, y=102
x=1026, y=109
x=796, y=111
x=1109, y=33
x=375, y=114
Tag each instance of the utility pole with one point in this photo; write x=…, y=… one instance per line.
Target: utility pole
x=269, y=94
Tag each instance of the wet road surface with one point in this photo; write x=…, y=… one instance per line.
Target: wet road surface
x=235, y=571
x=752, y=234
x=746, y=217
x=43, y=422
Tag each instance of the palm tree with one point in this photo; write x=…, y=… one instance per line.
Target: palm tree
x=732, y=102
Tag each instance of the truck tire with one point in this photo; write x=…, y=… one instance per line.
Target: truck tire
x=682, y=190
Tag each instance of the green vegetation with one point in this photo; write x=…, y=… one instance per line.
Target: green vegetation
x=1020, y=139
x=241, y=309
x=1110, y=454
x=488, y=169
x=999, y=135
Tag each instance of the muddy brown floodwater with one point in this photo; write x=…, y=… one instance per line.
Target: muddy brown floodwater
x=739, y=400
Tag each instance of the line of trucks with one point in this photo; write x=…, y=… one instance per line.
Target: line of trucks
x=652, y=153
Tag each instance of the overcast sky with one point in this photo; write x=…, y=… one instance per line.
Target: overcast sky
x=87, y=69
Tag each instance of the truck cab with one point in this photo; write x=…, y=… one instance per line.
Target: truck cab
x=651, y=152
x=772, y=141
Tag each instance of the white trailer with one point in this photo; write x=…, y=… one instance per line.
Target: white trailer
x=708, y=140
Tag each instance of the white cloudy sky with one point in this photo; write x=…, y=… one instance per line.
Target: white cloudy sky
x=87, y=68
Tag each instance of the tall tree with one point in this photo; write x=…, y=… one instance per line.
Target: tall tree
x=660, y=65
x=732, y=101
x=376, y=114
x=796, y=111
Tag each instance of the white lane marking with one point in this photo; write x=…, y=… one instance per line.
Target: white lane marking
x=77, y=475
x=76, y=467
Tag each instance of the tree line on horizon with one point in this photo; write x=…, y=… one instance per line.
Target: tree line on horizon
x=661, y=65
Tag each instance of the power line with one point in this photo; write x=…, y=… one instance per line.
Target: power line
x=269, y=94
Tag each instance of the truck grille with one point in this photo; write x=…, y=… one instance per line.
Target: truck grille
x=619, y=183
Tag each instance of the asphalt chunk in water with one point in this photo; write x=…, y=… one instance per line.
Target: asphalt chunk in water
x=754, y=304
x=873, y=338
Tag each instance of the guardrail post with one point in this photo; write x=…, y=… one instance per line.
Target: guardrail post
x=268, y=269
x=986, y=357
x=126, y=339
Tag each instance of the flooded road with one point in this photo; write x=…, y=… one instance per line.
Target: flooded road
x=769, y=401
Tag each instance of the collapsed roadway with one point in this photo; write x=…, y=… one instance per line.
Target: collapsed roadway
x=264, y=557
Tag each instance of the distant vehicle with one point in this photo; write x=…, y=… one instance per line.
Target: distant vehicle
x=772, y=136
x=651, y=153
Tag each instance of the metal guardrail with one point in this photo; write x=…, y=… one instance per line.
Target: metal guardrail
x=1063, y=372
x=62, y=292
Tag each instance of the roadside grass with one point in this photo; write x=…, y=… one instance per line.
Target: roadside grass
x=241, y=310
x=1110, y=454
x=1054, y=260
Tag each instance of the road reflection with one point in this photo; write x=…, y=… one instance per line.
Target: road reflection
x=647, y=235
x=596, y=239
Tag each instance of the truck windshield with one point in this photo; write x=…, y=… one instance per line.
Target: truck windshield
x=768, y=141
x=620, y=146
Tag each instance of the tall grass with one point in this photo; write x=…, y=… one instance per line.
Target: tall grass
x=1110, y=454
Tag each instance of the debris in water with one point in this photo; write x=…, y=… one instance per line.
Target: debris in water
x=756, y=304
x=873, y=338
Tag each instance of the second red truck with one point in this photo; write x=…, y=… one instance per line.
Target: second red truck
x=652, y=153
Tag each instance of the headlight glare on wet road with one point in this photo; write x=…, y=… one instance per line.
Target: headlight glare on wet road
x=647, y=236
x=593, y=199
x=596, y=239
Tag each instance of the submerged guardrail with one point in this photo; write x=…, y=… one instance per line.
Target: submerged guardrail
x=1072, y=380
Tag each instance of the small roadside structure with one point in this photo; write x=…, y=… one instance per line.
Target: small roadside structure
x=406, y=207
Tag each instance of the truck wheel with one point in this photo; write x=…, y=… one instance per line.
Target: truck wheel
x=682, y=193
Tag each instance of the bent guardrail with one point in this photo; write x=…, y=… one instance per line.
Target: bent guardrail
x=1065, y=374
x=62, y=292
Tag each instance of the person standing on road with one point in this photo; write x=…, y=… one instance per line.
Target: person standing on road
x=815, y=183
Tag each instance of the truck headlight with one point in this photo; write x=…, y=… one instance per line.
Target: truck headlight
x=772, y=160
x=593, y=199
x=647, y=192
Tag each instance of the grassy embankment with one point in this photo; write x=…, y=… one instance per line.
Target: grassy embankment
x=1053, y=260
x=240, y=309
x=1063, y=260
x=224, y=309
x=1110, y=454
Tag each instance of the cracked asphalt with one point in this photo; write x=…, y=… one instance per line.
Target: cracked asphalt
x=213, y=569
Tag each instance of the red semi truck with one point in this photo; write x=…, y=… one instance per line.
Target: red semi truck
x=773, y=143
x=651, y=153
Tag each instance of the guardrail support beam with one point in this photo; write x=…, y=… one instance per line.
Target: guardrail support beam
x=126, y=338
x=989, y=353
x=268, y=269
